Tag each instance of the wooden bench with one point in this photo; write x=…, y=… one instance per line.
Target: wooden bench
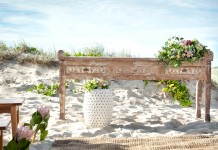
x=4, y=123
x=136, y=69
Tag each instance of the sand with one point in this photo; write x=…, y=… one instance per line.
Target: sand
x=139, y=110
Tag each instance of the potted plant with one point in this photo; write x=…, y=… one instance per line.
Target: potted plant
x=177, y=49
x=98, y=103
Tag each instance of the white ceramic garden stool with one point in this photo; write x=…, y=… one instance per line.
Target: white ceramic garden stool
x=98, y=108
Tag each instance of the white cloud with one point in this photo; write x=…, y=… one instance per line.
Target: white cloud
x=181, y=3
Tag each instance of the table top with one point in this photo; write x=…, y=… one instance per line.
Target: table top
x=11, y=101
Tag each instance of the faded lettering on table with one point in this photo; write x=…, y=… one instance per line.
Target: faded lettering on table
x=82, y=69
x=134, y=70
x=184, y=70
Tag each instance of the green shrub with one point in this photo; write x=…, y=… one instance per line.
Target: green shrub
x=175, y=88
x=178, y=91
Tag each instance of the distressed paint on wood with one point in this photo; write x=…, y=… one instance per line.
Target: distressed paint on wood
x=135, y=69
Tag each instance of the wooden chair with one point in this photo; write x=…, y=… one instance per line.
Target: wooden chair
x=4, y=123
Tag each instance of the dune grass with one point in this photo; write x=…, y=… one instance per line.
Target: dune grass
x=98, y=51
x=23, y=53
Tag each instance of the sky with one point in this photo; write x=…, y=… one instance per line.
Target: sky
x=139, y=27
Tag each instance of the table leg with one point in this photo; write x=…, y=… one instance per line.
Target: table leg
x=14, y=120
x=198, y=98
x=207, y=99
x=1, y=139
x=18, y=114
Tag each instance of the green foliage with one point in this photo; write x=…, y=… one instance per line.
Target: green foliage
x=95, y=51
x=36, y=119
x=67, y=54
x=146, y=82
x=176, y=50
x=48, y=90
x=175, y=88
x=178, y=91
x=23, y=47
x=96, y=83
x=23, y=144
x=41, y=123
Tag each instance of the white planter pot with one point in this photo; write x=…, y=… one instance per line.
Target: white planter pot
x=98, y=107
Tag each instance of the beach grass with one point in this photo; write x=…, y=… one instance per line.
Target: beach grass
x=24, y=53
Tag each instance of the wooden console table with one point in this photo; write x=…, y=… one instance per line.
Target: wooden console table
x=136, y=69
x=11, y=106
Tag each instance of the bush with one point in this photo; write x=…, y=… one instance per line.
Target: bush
x=178, y=91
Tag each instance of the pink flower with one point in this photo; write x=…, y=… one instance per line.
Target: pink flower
x=187, y=42
x=189, y=54
x=24, y=132
x=44, y=111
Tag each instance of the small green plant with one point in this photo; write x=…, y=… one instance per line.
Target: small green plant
x=146, y=82
x=176, y=50
x=178, y=91
x=96, y=83
x=67, y=54
x=48, y=90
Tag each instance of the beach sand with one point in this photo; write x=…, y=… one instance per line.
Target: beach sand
x=139, y=110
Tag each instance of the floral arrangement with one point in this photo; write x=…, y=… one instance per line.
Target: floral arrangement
x=26, y=131
x=96, y=83
x=177, y=49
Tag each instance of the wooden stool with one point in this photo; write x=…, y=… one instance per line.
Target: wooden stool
x=4, y=123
